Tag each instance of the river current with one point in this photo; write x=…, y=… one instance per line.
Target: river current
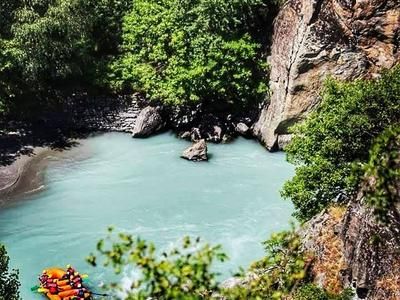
x=141, y=186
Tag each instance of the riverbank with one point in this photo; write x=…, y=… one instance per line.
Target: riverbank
x=25, y=174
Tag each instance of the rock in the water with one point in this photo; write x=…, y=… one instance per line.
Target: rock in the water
x=227, y=138
x=148, y=122
x=242, y=129
x=196, y=152
x=195, y=134
x=184, y=135
x=216, y=134
x=313, y=39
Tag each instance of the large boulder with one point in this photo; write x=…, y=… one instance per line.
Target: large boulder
x=196, y=152
x=148, y=122
x=314, y=39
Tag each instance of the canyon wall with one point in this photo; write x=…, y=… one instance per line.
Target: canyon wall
x=314, y=39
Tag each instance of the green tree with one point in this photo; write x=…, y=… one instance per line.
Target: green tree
x=9, y=284
x=51, y=46
x=183, y=51
x=330, y=147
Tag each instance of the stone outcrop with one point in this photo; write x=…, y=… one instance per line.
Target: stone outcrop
x=242, y=129
x=196, y=152
x=321, y=238
x=314, y=39
x=353, y=249
x=148, y=122
x=372, y=251
x=210, y=122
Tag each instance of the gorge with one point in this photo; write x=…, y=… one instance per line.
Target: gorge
x=319, y=79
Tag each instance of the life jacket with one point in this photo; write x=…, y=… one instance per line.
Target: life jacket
x=53, y=290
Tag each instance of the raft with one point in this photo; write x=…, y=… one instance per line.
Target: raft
x=59, y=284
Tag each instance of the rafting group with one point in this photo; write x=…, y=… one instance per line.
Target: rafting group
x=59, y=284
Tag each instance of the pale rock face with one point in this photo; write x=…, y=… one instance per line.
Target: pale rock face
x=196, y=152
x=314, y=39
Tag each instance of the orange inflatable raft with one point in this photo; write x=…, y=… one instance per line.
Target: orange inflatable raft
x=59, y=284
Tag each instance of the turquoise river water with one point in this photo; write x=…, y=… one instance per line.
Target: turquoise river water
x=143, y=187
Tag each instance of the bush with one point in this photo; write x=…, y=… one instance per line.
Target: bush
x=181, y=273
x=9, y=284
x=191, y=51
x=277, y=275
x=330, y=147
x=313, y=292
x=383, y=172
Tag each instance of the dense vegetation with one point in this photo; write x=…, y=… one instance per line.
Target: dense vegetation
x=172, y=51
x=190, y=51
x=50, y=46
x=332, y=145
x=9, y=284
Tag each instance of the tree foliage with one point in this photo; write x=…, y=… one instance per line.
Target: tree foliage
x=180, y=51
x=332, y=144
x=9, y=284
x=383, y=172
x=50, y=45
x=280, y=272
x=183, y=272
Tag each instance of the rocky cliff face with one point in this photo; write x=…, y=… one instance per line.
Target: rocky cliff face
x=316, y=38
x=372, y=252
x=353, y=249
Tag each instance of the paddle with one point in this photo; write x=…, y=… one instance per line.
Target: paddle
x=97, y=294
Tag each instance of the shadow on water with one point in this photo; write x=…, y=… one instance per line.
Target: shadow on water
x=21, y=139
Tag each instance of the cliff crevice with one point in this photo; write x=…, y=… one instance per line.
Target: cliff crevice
x=314, y=39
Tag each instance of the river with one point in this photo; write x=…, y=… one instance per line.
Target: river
x=143, y=187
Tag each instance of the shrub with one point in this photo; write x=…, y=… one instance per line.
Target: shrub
x=181, y=273
x=185, y=272
x=383, y=172
x=330, y=147
x=313, y=292
x=279, y=273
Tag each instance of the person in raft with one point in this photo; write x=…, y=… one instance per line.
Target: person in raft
x=70, y=283
x=75, y=279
